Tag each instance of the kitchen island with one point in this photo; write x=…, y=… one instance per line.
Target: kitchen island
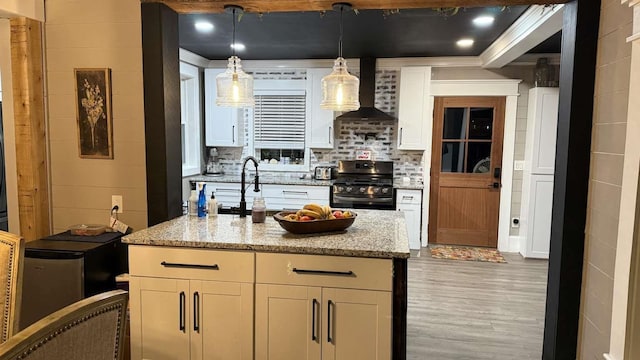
x=239, y=290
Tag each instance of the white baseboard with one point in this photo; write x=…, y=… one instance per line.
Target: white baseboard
x=514, y=244
x=608, y=357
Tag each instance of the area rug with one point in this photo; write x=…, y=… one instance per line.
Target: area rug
x=466, y=253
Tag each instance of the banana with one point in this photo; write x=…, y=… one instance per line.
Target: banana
x=313, y=214
x=326, y=211
x=314, y=207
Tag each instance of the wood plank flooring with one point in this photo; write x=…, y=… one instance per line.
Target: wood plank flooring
x=466, y=310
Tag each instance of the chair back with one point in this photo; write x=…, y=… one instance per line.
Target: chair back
x=92, y=328
x=11, y=264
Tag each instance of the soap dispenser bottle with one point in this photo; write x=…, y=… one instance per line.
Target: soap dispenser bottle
x=202, y=201
x=212, y=206
x=192, y=204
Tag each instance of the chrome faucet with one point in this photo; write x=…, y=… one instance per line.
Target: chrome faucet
x=243, y=201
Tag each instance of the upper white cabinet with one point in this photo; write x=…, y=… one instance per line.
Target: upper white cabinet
x=319, y=121
x=542, y=129
x=224, y=126
x=415, y=108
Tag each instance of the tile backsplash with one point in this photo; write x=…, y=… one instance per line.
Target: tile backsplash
x=380, y=137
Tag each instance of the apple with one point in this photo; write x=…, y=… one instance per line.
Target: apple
x=306, y=218
x=338, y=214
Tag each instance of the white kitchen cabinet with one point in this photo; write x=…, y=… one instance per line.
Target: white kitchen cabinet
x=537, y=182
x=320, y=130
x=280, y=197
x=228, y=194
x=415, y=110
x=410, y=203
x=191, y=304
x=224, y=126
x=322, y=307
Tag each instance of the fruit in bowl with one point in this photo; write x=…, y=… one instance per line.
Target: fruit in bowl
x=314, y=218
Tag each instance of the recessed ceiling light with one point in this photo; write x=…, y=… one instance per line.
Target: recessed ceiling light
x=238, y=47
x=204, y=26
x=465, y=43
x=483, y=21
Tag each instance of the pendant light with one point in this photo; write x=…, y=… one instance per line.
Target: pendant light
x=235, y=87
x=340, y=89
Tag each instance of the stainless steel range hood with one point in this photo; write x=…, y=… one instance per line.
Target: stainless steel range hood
x=367, y=109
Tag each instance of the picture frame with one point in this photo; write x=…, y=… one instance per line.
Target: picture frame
x=93, y=112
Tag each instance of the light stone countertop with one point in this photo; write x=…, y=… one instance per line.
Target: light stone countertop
x=374, y=234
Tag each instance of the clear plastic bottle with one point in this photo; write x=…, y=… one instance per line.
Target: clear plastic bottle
x=258, y=210
x=193, y=203
x=212, y=206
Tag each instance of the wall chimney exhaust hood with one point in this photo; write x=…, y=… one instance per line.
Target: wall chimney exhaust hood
x=367, y=110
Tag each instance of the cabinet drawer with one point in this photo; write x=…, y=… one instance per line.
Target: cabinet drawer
x=293, y=192
x=194, y=264
x=325, y=271
x=408, y=197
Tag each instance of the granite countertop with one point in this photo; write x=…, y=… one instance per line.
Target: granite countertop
x=268, y=178
x=375, y=234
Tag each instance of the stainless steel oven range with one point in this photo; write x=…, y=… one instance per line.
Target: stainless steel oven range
x=364, y=184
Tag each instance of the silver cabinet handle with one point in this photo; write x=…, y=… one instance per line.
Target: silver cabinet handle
x=330, y=130
x=400, y=136
x=295, y=192
x=233, y=134
x=405, y=197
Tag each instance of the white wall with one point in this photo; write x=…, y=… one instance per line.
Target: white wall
x=96, y=34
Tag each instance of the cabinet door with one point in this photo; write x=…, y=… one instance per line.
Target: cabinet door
x=222, y=320
x=223, y=125
x=536, y=215
x=159, y=318
x=410, y=202
x=319, y=121
x=542, y=125
x=356, y=324
x=415, y=108
x=288, y=322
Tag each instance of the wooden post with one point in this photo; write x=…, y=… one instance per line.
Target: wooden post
x=31, y=151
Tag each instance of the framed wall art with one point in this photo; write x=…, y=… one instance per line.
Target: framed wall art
x=93, y=113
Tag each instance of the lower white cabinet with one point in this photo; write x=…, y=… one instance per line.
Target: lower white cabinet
x=535, y=215
x=410, y=203
x=318, y=307
x=280, y=197
x=182, y=307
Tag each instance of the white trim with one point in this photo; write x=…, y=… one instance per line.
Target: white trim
x=514, y=244
x=190, y=75
x=608, y=357
x=501, y=87
x=537, y=24
x=444, y=61
x=531, y=59
x=188, y=57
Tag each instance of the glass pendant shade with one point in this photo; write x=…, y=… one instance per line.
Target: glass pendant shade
x=234, y=86
x=340, y=90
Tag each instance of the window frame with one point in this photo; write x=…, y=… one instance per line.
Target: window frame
x=190, y=78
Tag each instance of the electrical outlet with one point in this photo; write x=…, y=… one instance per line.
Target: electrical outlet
x=518, y=165
x=515, y=222
x=117, y=200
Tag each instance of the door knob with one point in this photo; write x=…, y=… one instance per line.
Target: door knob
x=495, y=185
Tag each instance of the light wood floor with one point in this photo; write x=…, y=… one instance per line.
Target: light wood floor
x=475, y=310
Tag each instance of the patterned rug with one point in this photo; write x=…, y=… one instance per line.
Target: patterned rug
x=466, y=253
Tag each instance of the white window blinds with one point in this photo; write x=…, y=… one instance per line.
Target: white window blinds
x=279, y=120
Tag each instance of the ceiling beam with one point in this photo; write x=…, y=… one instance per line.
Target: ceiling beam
x=532, y=28
x=267, y=6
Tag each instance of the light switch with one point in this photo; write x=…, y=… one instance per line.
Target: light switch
x=518, y=165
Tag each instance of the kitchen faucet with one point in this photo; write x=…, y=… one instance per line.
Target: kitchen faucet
x=243, y=201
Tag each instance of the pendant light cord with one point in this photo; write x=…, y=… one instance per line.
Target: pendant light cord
x=233, y=41
x=340, y=40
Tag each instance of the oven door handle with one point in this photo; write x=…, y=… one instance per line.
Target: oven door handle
x=354, y=198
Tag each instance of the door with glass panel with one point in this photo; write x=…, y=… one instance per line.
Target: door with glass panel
x=466, y=167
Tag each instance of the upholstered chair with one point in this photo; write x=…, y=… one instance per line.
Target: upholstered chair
x=11, y=260
x=91, y=328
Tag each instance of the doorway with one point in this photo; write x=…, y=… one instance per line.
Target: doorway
x=466, y=163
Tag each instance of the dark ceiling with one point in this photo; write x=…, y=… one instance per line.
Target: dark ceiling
x=313, y=35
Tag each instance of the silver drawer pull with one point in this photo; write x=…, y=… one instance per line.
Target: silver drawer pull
x=323, y=272
x=190, y=266
x=228, y=190
x=295, y=192
x=405, y=197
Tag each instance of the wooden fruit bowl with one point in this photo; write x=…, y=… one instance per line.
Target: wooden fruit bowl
x=313, y=226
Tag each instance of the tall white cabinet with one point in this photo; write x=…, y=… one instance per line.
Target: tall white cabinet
x=537, y=184
x=224, y=126
x=415, y=109
x=320, y=130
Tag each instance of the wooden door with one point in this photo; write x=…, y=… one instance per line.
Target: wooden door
x=222, y=320
x=160, y=318
x=288, y=322
x=356, y=324
x=466, y=167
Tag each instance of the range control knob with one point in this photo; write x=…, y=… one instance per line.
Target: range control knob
x=376, y=190
x=385, y=190
x=340, y=188
x=349, y=189
x=363, y=189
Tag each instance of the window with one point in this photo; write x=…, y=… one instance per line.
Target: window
x=279, y=122
x=190, y=118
